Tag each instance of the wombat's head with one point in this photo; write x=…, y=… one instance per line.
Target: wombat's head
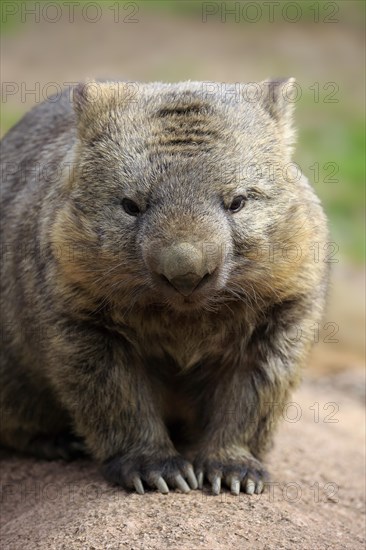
x=180, y=190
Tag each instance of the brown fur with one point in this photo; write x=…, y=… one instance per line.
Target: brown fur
x=121, y=358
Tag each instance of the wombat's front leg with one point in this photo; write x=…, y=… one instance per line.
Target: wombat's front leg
x=105, y=388
x=236, y=419
x=242, y=411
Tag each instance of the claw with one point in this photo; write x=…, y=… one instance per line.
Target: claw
x=191, y=478
x=200, y=480
x=181, y=484
x=235, y=485
x=249, y=487
x=216, y=485
x=138, y=486
x=259, y=488
x=161, y=486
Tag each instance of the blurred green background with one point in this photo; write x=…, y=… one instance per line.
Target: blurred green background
x=321, y=44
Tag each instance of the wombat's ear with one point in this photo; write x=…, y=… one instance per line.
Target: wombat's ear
x=278, y=98
x=94, y=100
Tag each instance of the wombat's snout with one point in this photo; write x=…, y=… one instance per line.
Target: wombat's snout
x=185, y=284
x=185, y=266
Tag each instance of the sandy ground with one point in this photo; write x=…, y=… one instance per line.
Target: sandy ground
x=315, y=501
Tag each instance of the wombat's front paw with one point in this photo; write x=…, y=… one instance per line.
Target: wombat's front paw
x=238, y=470
x=157, y=473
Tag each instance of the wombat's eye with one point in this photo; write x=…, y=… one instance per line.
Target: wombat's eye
x=237, y=203
x=130, y=207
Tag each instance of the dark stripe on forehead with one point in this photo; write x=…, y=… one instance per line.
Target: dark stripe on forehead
x=184, y=128
x=182, y=110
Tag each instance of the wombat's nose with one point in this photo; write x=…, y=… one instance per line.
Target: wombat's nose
x=184, y=266
x=185, y=284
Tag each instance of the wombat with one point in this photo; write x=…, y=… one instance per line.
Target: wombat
x=159, y=283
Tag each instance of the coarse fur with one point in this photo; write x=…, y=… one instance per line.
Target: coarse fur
x=175, y=333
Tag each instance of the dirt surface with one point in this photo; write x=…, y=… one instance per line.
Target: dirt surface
x=316, y=499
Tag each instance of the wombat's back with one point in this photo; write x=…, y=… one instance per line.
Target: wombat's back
x=42, y=136
x=32, y=155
